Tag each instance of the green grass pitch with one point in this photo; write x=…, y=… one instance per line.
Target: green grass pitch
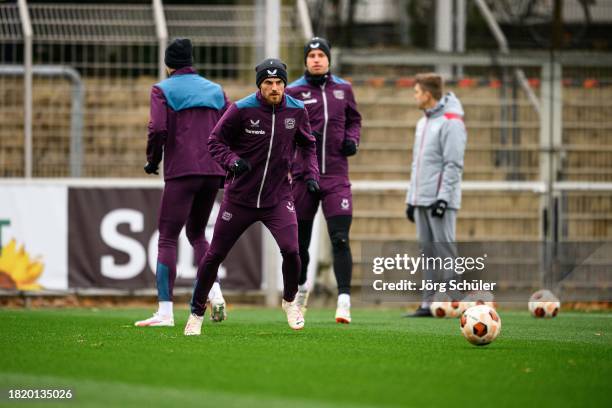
x=254, y=360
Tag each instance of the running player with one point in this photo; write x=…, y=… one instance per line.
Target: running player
x=184, y=109
x=256, y=141
x=336, y=123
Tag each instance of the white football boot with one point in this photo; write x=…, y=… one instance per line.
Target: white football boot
x=343, y=310
x=218, y=309
x=157, y=320
x=302, y=300
x=194, y=325
x=216, y=303
x=294, y=315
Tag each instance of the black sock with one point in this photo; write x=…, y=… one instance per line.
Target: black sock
x=304, y=234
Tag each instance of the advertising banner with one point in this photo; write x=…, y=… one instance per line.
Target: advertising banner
x=112, y=243
x=33, y=231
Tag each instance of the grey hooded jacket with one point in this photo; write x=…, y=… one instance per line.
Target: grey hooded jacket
x=437, y=159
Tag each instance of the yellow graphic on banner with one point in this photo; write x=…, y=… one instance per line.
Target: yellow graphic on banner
x=17, y=270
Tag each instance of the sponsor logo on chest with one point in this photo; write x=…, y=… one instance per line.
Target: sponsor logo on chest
x=338, y=94
x=307, y=98
x=253, y=128
x=226, y=216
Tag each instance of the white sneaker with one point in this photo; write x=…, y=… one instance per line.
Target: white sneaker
x=302, y=300
x=294, y=315
x=218, y=309
x=343, y=313
x=194, y=325
x=157, y=320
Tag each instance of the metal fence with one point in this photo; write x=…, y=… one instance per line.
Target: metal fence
x=92, y=69
x=533, y=172
x=549, y=157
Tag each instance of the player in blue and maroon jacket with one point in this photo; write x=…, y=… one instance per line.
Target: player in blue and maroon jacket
x=184, y=109
x=336, y=123
x=256, y=140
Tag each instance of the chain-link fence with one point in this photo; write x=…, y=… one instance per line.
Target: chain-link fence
x=93, y=67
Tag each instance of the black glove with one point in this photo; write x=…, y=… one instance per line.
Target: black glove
x=151, y=168
x=438, y=208
x=410, y=212
x=313, y=186
x=317, y=135
x=349, y=147
x=240, y=167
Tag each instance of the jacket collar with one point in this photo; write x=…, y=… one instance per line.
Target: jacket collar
x=184, y=71
x=266, y=106
x=317, y=80
x=436, y=110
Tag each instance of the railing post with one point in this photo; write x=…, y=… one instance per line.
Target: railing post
x=444, y=33
x=273, y=16
x=305, y=21
x=551, y=125
x=161, y=30
x=26, y=25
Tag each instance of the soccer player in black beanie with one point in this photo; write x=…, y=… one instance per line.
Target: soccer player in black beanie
x=256, y=141
x=270, y=68
x=179, y=54
x=336, y=124
x=185, y=108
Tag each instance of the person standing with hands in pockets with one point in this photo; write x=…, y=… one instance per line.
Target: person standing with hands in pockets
x=434, y=196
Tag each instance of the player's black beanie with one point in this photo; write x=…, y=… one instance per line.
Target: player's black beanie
x=178, y=54
x=317, y=43
x=270, y=68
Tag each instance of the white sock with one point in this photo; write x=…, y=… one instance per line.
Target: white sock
x=165, y=309
x=303, y=288
x=215, y=291
x=344, y=298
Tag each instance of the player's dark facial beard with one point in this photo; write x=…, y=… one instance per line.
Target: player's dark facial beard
x=274, y=97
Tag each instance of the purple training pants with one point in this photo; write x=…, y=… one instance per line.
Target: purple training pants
x=186, y=201
x=232, y=221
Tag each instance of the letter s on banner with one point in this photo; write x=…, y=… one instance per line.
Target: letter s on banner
x=112, y=238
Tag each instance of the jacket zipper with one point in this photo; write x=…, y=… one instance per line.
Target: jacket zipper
x=418, y=167
x=263, y=179
x=325, y=118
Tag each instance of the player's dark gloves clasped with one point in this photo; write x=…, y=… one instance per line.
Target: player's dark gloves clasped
x=313, y=186
x=240, y=167
x=410, y=212
x=151, y=168
x=349, y=148
x=438, y=208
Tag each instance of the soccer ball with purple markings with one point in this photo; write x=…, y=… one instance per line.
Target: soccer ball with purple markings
x=480, y=325
x=544, y=304
x=450, y=308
